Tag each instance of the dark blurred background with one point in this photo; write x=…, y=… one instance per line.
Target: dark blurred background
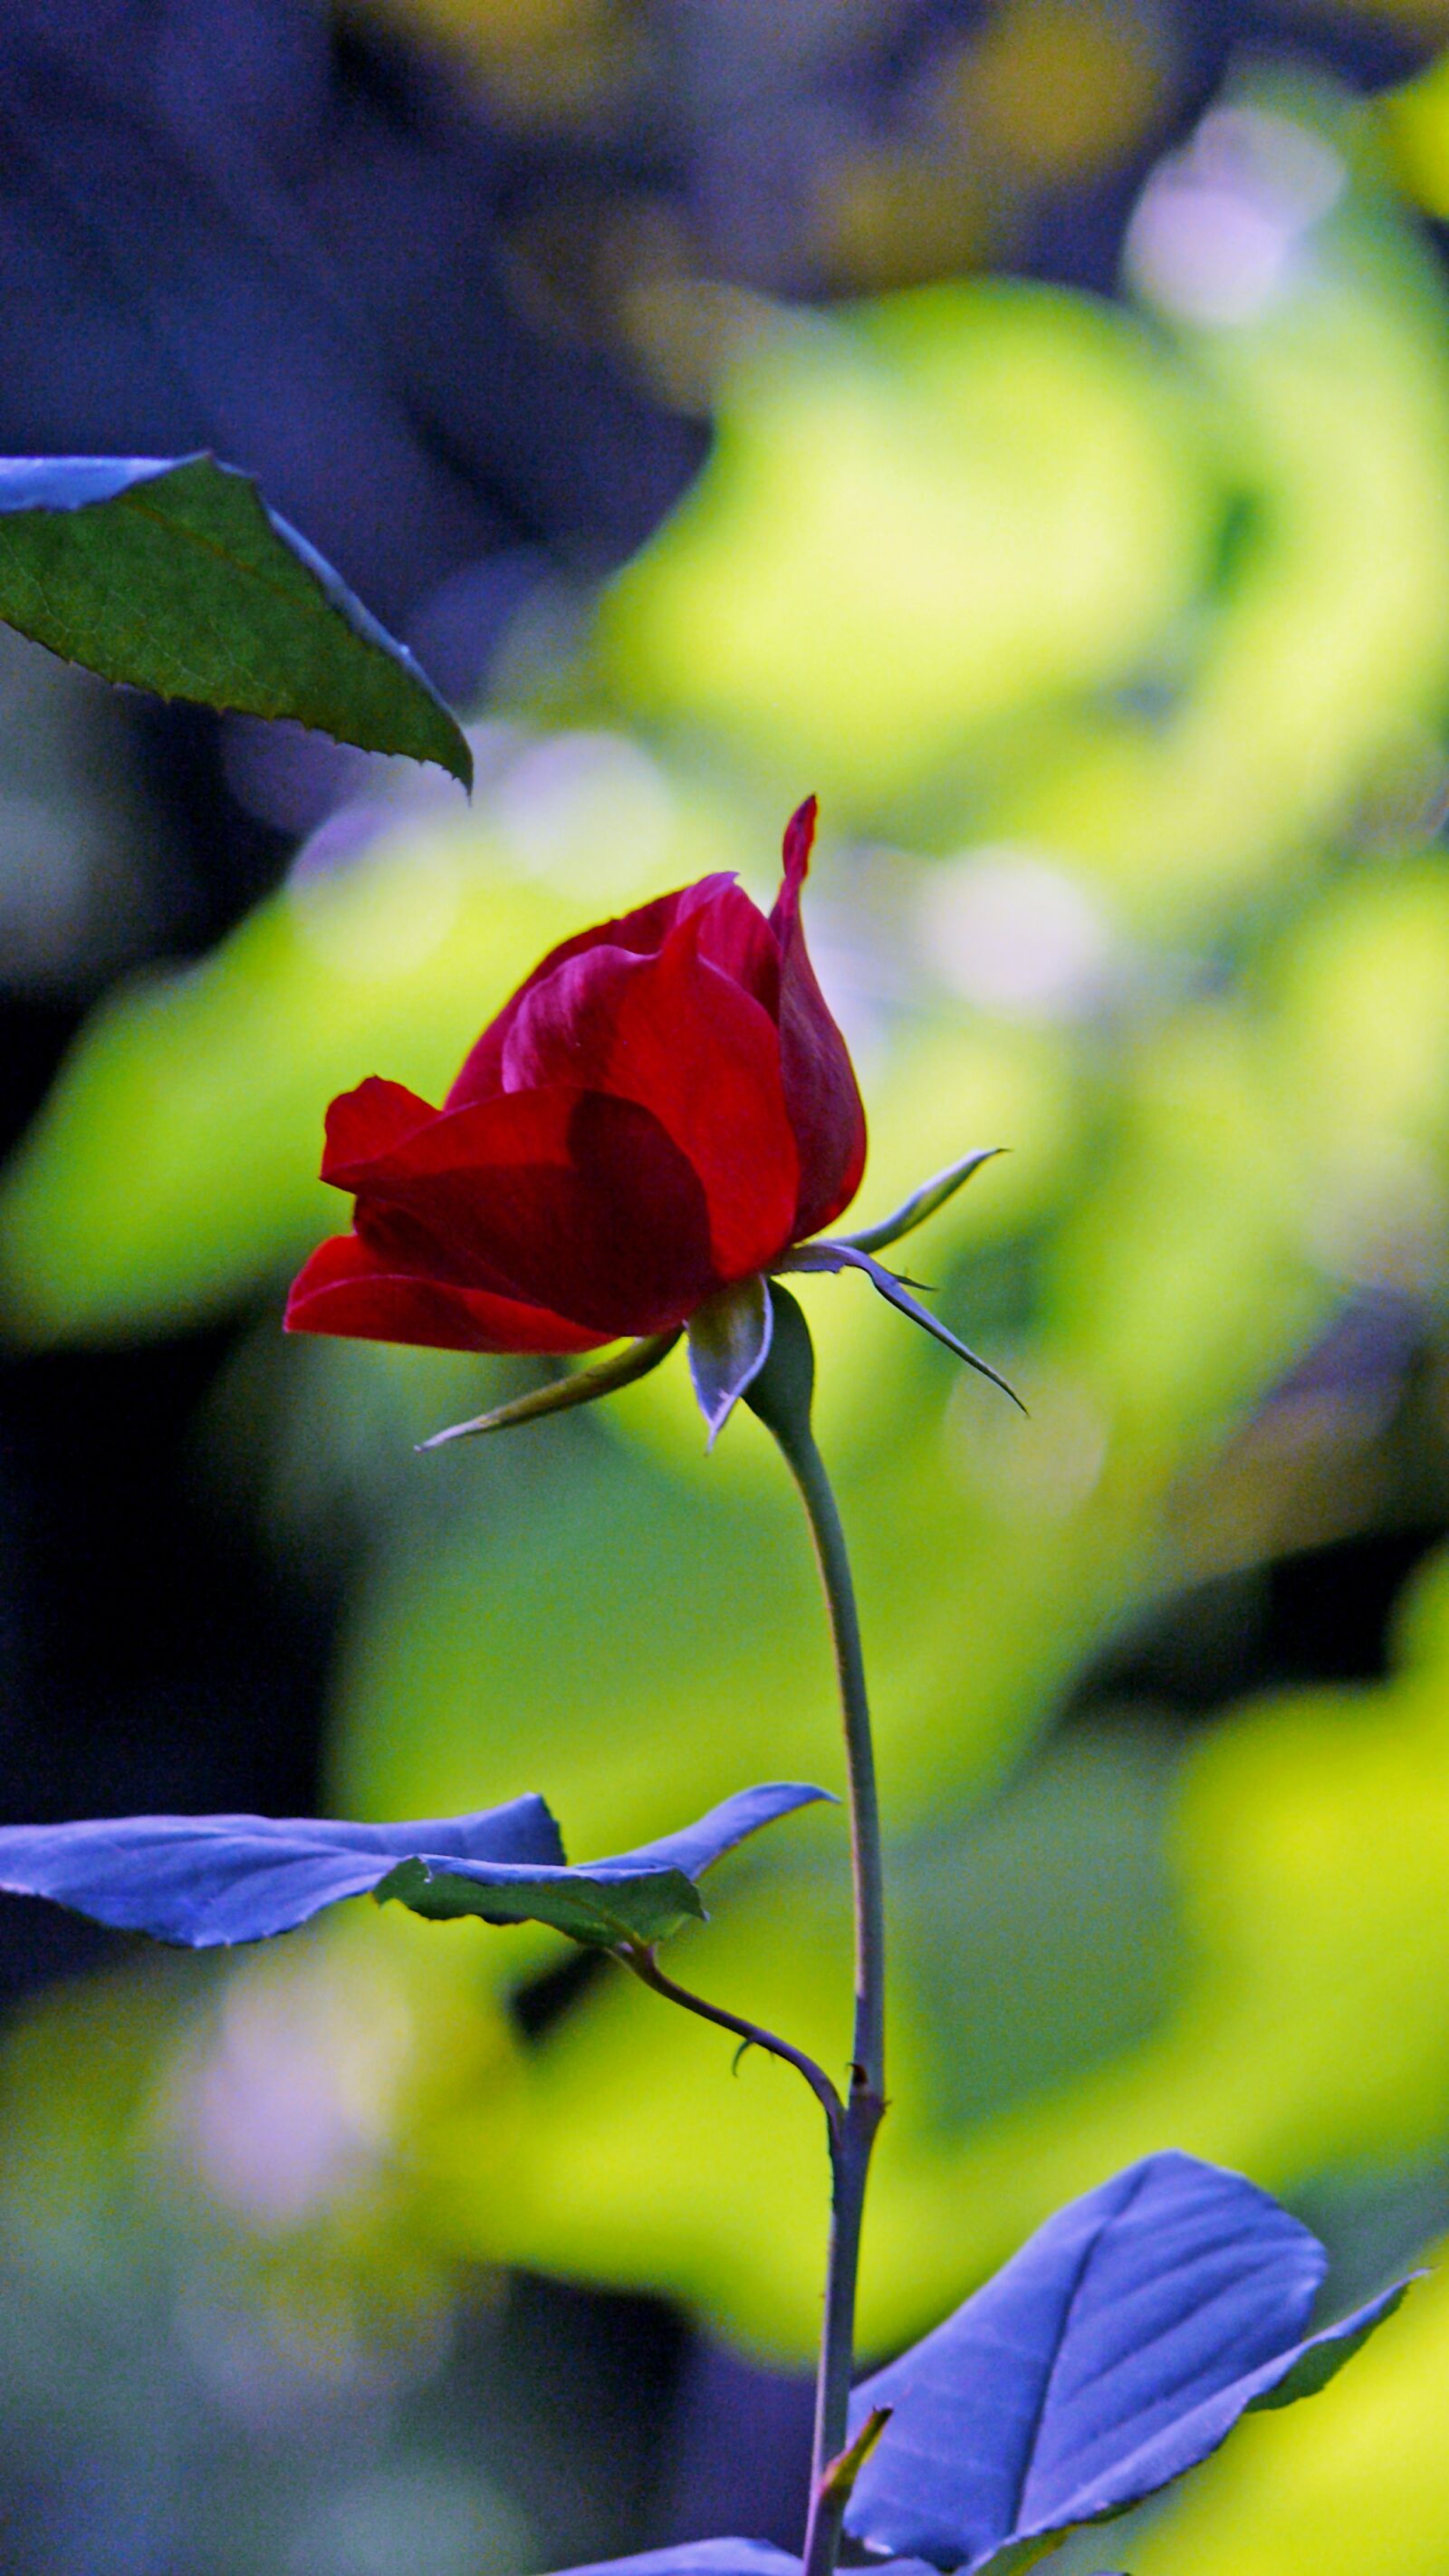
x=1028, y=424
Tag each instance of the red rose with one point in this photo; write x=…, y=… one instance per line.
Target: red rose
x=665, y=1107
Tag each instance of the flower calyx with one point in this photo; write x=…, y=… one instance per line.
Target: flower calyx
x=730, y=1333
x=857, y=1252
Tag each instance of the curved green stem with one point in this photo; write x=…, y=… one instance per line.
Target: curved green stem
x=853, y=2140
x=781, y=1397
x=868, y=2050
x=753, y=2034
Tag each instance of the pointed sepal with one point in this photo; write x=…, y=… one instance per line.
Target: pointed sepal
x=784, y=1391
x=729, y=1343
x=581, y=1386
x=922, y=1203
x=828, y=1254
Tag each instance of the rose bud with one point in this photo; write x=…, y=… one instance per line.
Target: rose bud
x=661, y=1115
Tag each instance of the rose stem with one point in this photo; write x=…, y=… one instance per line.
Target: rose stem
x=781, y=1397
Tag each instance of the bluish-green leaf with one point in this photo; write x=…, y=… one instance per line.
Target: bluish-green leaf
x=175, y=576
x=1114, y=2352
x=207, y=1880
x=639, y=1897
x=598, y=1907
x=698, y=2558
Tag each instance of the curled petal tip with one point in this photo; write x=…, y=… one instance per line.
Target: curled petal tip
x=800, y=838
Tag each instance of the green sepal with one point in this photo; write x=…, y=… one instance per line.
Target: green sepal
x=174, y=575
x=729, y=1344
x=583, y=1386
x=599, y=1912
x=922, y=1203
x=784, y=1390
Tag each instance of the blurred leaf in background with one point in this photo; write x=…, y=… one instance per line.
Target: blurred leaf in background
x=175, y=576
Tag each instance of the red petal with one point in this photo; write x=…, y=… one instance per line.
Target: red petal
x=369, y=1121
x=820, y=1086
x=344, y=1290
x=798, y=843
x=675, y=1033
x=734, y=935
x=562, y=1197
x=641, y=933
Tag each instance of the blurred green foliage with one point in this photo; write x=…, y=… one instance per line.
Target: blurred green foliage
x=1117, y=643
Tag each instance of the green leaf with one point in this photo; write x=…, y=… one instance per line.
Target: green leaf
x=598, y=1911
x=175, y=576
x=640, y=1897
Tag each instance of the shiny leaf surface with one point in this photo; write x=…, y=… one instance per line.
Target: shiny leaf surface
x=1115, y=2351
x=204, y=1880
